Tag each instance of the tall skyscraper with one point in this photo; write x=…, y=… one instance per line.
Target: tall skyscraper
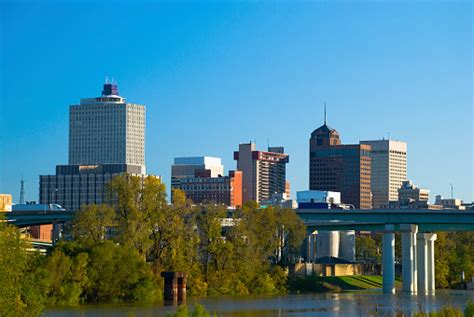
x=389, y=170
x=264, y=173
x=106, y=139
x=340, y=168
x=107, y=130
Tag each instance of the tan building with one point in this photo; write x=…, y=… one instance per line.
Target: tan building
x=340, y=168
x=264, y=173
x=449, y=203
x=412, y=197
x=5, y=202
x=388, y=170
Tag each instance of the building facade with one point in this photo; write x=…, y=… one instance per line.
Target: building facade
x=449, y=203
x=205, y=188
x=106, y=139
x=412, y=197
x=186, y=167
x=5, y=202
x=77, y=185
x=388, y=170
x=264, y=173
x=107, y=130
x=340, y=168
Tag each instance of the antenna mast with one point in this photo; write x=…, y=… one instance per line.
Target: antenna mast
x=22, y=191
x=325, y=117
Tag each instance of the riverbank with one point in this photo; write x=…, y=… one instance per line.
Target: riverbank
x=321, y=284
x=355, y=303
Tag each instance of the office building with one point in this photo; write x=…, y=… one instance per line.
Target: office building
x=340, y=168
x=106, y=139
x=388, y=170
x=77, y=185
x=264, y=173
x=411, y=196
x=189, y=167
x=107, y=130
x=449, y=203
x=5, y=202
x=205, y=188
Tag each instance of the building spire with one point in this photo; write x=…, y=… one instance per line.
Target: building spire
x=325, y=117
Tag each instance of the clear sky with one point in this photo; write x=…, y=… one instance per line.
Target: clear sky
x=216, y=74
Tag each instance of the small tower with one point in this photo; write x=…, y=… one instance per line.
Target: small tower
x=22, y=191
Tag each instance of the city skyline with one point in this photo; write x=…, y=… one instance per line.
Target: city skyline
x=202, y=99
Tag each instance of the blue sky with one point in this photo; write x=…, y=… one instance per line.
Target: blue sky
x=216, y=74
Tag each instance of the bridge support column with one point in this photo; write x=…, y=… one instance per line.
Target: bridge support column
x=431, y=262
x=388, y=260
x=426, y=262
x=409, y=271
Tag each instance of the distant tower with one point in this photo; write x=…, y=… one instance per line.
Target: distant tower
x=22, y=191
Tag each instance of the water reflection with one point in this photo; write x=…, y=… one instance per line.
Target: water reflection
x=337, y=304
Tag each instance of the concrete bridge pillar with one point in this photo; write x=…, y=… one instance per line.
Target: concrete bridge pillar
x=431, y=262
x=426, y=262
x=388, y=260
x=409, y=269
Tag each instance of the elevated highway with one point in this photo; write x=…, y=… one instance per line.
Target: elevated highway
x=417, y=227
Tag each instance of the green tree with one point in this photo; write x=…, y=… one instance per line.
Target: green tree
x=367, y=248
x=118, y=273
x=92, y=222
x=67, y=276
x=21, y=291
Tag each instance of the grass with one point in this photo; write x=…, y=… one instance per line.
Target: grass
x=316, y=284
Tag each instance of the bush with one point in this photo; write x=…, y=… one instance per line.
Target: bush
x=469, y=310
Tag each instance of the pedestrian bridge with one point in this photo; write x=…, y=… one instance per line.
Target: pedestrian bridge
x=417, y=227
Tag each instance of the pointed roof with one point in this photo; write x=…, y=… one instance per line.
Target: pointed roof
x=324, y=129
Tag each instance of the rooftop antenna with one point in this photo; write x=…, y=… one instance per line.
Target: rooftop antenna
x=325, y=116
x=268, y=143
x=452, y=191
x=388, y=135
x=22, y=190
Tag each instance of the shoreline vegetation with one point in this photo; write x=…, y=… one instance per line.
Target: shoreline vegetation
x=115, y=252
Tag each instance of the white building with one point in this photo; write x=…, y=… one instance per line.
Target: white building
x=388, y=170
x=318, y=196
x=192, y=166
x=107, y=130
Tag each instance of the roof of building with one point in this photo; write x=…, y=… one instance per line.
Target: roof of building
x=323, y=129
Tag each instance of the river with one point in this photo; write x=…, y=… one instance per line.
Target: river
x=328, y=304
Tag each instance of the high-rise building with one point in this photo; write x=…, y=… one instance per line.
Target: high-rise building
x=106, y=139
x=107, y=130
x=264, y=173
x=187, y=167
x=340, y=168
x=388, y=170
x=204, y=188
